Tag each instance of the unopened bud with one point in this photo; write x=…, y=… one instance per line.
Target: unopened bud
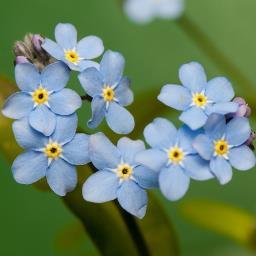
x=37, y=41
x=243, y=110
x=21, y=60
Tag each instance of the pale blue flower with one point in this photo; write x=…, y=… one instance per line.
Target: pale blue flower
x=172, y=155
x=197, y=98
x=52, y=157
x=223, y=144
x=110, y=92
x=77, y=55
x=120, y=176
x=42, y=96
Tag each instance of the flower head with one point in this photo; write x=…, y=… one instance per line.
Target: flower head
x=110, y=92
x=42, y=96
x=76, y=55
x=173, y=156
x=53, y=157
x=197, y=98
x=120, y=176
x=223, y=144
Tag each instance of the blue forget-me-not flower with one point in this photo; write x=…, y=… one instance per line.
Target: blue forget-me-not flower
x=52, y=157
x=110, y=92
x=42, y=96
x=223, y=144
x=197, y=98
x=77, y=55
x=120, y=176
x=173, y=156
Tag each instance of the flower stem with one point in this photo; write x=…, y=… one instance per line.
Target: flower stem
x=86, y=97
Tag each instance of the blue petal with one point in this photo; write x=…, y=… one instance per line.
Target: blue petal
x=29, y=167
x=98, y=106
x=192, y=76
x=27, y=77
x=66, y=35
x=146, y=177
x=221, y=169
x=132, y=198
x=102, y=152
x=77, y=150
x=18, y=105
x=55, y=76
x=61, y=177
x=123, y=93
x=65, y=128
x=173, y=182
x=92, y=81
x=27, y=137
x=43, y=120
x=84, y=64
x=215, y=126
x=119, y=119
x=219, y=89
x=242, y=158
x=175, y=96
x=223, y=108
x=204, y=146
x=101, y=187
x=53, y=49
x=90, y=47
x=65, y=102
x=169, y=9
x=112, y=66
x=161, y=133
x=197, y=168
x=194, y=117
x=129, y=148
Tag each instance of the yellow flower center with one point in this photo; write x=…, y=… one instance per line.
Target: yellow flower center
x=72, y=56
x=53, y=150
x=40, y=96
x=176, y=155
x=199, y=99
x=124, y=171
x=108, y=93
x=221, y=147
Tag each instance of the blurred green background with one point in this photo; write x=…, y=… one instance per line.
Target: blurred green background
x=37, y=223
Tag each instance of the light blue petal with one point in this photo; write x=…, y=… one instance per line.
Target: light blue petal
x=61, y=177
x=132, y=198
x=101, y=187
x=77, y=150
x=192, y=76
x=219, y=89
x=27, y=77
x=92, y=81
x=197, y=168
x=129, y=148
x=29, y=167
x=90, y=47
x=65, y=102
x=119, y=119
x=55, y=76
x=111, y=67
x=102, y=152
x=223, y=108
x=123, y=93
x=161, y=133
x=175, y=96
x=18, y=105
x=146, y=177
x=65, y=128
x=27, y=137
x=169, y=9
x=204, y=146
x=154, y=159
x=53, y=49
x=215, y=126
x=84, y=64
x=242, y=158
x=98, y=106
x=221, y=169
x=66, y=36
x=194, y=117
x=173, y=182
x=42, y=120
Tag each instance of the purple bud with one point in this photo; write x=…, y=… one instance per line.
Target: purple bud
x=243, y=110
x=37, y=41
x=21, y=59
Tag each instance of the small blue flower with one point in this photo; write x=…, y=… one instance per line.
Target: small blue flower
x=76, y=55
x=110, y=92
x=42, y=96
x=224, y=146
x=198, y=98
x=173, y=156
x=119, y=175
x=54, y=157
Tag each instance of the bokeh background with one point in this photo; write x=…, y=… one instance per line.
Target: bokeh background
x=33, y=222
